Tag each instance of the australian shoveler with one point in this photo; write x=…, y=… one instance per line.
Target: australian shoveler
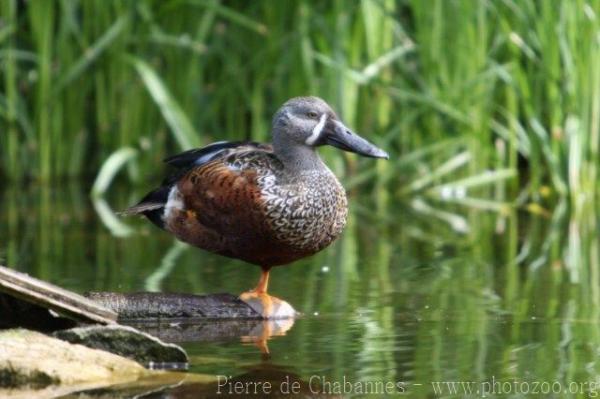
x=266, y=204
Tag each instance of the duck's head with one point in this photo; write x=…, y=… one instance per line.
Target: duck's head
x=310, y=122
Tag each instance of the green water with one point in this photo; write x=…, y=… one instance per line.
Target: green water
x=407, y=296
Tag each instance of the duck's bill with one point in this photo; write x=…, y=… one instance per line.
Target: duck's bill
x=338, y=135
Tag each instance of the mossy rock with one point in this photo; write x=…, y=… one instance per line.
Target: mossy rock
x=34, y=360
x=127, y=342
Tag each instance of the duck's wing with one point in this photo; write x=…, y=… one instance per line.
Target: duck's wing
x=201, y=172
x=215, y=200
x=200, y=156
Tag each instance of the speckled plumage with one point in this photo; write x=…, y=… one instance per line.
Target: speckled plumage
x=244, y=204
x=307, y=211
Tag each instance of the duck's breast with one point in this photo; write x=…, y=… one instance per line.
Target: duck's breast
x=241, y=206
x=306, y=213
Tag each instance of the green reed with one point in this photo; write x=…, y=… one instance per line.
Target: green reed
x=511, y=79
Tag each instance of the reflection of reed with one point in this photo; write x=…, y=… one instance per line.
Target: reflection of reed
x=400, y=295
x=153, y=282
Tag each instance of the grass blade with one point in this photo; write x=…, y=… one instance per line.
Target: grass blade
x=110, y=168
x=91, y=54
x=185, y=134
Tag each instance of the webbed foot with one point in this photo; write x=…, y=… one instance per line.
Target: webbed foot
x=268, y=306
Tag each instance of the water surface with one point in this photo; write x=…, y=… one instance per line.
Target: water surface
x=407, y=302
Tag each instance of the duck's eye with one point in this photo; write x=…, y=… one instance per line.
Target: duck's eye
x=312, y=114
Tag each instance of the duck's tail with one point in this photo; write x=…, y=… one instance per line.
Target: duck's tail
x=152, y=206
x=141, y=208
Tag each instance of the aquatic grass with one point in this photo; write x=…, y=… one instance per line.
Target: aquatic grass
x=484, y=178
x=10, y=139
x=449, y=166
x=153, y=282
x=82, y=79
x=110, y=219
x=41, y=17
x=457, y=222
x=91, y=55
x=111, y=167
x=181, y=127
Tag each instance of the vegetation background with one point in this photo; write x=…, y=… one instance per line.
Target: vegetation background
x=452, y=89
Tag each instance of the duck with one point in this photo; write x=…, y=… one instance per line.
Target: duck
x=266, y=204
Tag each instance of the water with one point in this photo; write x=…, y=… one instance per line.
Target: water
x=405, y=303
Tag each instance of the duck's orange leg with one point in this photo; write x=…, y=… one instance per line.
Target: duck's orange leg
x=268, y=306
x=263, y=283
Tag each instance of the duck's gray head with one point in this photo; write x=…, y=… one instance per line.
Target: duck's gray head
x=310, y=122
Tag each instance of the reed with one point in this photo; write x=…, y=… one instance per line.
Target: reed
x=517, y=82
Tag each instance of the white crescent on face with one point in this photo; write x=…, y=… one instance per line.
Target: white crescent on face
x=316, y=132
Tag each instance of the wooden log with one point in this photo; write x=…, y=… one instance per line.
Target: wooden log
x=18, y=313
x=176, y=317
x=173, y=306
x=50, y=296
x=23, y=298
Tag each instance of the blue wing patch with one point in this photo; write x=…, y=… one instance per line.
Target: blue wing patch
x=199, y=156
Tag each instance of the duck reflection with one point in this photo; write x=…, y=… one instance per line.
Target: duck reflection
x=264, y=331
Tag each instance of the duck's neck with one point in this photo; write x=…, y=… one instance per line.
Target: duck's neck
x=298, y=158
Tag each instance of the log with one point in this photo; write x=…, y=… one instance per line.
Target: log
x=18, y=313
x=176, y=317
x=50, y=296
x=25, y=301
x=173, y=306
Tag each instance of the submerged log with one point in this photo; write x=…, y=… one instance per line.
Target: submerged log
x=50, y=296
